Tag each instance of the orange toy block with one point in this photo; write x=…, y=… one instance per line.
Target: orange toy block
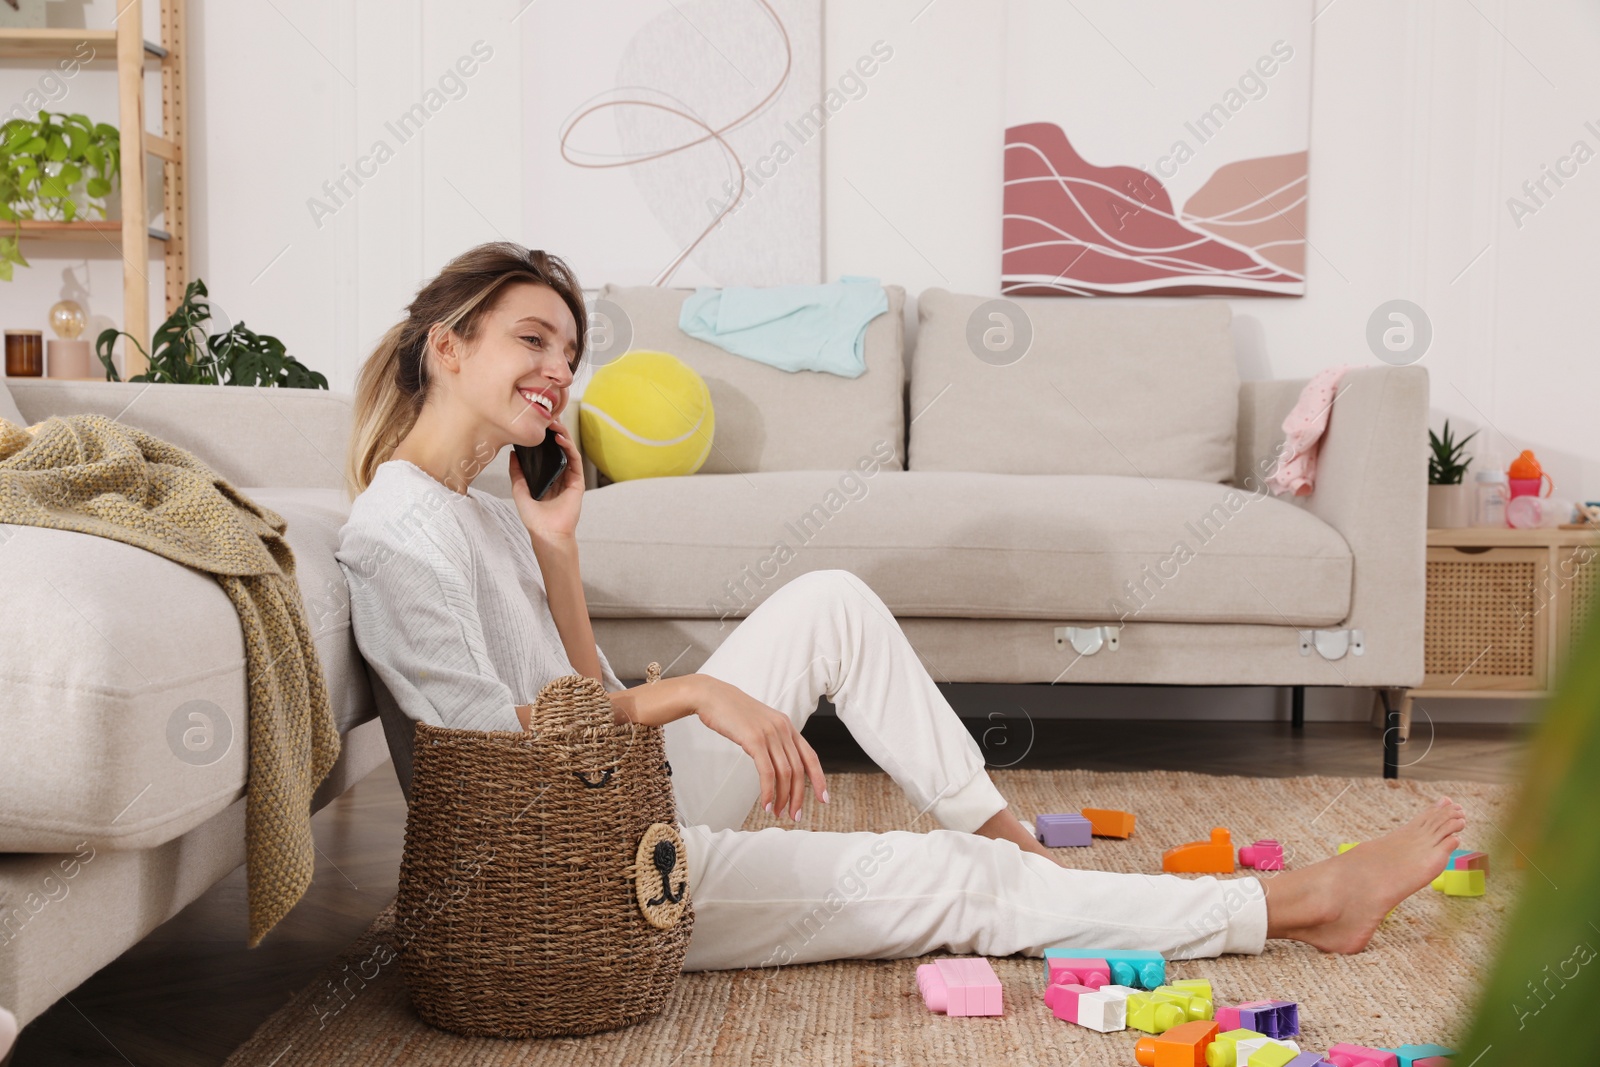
x=1202, y=857
x=1182, y=1046
x=1109, y=822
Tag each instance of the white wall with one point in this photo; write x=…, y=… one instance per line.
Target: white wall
x=1426, y=116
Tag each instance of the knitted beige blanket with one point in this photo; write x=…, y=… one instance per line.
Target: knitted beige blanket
x=91, y=474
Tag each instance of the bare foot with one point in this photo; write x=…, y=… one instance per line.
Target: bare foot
x=1337, y=903
x=1004, y=826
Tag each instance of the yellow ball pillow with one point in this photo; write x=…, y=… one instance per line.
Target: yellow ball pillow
x=646, y=415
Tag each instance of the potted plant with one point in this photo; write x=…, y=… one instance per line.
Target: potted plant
x=1449, y=505
x=53, y=166
x=182, y=352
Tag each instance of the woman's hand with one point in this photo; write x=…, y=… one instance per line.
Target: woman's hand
x=784, y=758
x=554, y=518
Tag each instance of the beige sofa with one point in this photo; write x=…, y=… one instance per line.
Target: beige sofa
x=1015, y=548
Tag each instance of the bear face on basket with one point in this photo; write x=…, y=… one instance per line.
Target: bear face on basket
x=580, y=917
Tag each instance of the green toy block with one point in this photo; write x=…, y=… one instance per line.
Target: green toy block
x=1272, y=1055
x=1223, y=1052
x=1154, y=1013
x=1453, y=883
x=1196, y=987
x=1347, y=846
x=1195, y=1008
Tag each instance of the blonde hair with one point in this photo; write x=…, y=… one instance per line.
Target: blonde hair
x=393, y=382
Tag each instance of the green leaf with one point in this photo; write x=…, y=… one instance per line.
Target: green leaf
x=98, y=187
x=70, y=174
x=57, y=150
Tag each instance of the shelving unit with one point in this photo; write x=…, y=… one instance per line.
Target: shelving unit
x=135, y=239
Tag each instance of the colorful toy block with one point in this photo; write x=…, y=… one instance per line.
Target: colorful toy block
x=1201, y=857
x=1343, y=1055
x=1129, y=967
x=1062, y=830
x=1092, y=973
x=1223, y=1052
x=1276, y=1019
x=1194, y=1006
x=1102, y=1012
x=1195, y=987
x=1434, y=1061
x=960, y=986
x=1155, y=1013
x=1347, y=846
x=1412, y=1055
x=1182, y=1046
x=1273, y=1054
x=1308, y=1059
x=1465, y=860
x=1455, y=883
x=1264, y=855
x=1265, y=1052
x=1109, y=822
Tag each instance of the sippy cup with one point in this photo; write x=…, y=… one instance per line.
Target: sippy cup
x=1526, y=476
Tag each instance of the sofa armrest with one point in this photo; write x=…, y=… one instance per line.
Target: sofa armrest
x=1371, y=485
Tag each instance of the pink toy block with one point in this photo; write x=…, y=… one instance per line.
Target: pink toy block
x=1229, y=1018
x=1433, y=1061
x=1343, y=1055
x=1102, y=1012
x=1264, y=855
x=1470, y=861
x=1089, y=972
x=961, y=986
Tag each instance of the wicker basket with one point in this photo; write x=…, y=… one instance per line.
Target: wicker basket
x=543, y=887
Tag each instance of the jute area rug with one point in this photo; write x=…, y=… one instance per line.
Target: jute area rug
x=1415, y=982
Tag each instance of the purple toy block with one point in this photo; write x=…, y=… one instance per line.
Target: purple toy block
x=1087, y=972
x=1062, y=830
x=1264, y=855
x=1307, y=1059
x=1285, y=1020
x=960, y=986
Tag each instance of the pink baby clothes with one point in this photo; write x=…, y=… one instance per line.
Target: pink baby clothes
x=1303, y=433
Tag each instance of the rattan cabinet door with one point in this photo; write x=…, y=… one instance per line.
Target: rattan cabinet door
x=1488, y=616
x=1577, y=582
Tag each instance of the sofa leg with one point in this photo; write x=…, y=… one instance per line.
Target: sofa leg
x=1297, y=708
x=1391, y=733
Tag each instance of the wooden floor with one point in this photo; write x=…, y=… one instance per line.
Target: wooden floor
x=191, y=992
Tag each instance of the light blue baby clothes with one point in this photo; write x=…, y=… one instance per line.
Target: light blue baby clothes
x=791, y=327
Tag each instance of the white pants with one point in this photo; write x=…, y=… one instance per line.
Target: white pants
x=768, y=897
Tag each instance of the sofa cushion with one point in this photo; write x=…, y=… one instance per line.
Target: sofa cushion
x=775, y=420
x=114, y=655
x=1104, y=387
x=8, y=406
x=1069, y=547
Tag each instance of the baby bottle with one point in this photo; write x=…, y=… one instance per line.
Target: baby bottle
x=1491, y=493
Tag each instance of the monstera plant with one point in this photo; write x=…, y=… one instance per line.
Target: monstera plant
x=182, y=351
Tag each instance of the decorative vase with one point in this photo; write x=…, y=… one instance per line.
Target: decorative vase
x=1449, y=507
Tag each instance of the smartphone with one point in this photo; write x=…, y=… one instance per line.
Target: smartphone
x=542, y=464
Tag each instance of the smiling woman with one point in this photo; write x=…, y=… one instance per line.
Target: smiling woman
x=466, y=606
